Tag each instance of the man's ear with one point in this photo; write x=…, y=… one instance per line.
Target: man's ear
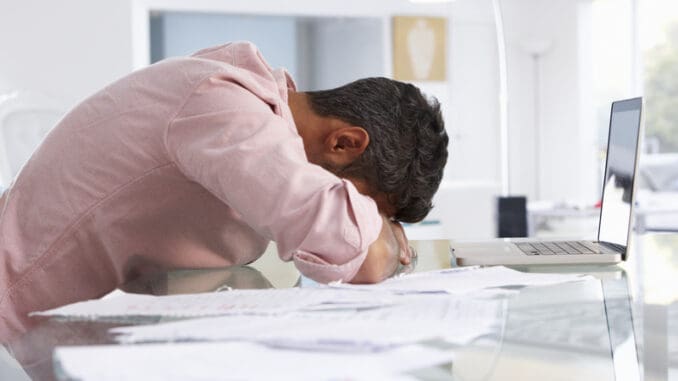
x=345, y=144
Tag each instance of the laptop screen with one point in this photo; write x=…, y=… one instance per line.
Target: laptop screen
x=620, y=168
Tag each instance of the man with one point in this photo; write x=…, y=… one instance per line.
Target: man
x=199, y=162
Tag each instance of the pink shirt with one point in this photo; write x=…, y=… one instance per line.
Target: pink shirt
x=192, y=162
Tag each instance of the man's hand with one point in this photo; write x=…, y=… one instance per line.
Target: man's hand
x=385, y=254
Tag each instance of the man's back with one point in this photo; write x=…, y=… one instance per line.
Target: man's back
x=146, y=175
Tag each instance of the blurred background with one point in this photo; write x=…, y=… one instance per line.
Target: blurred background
x=525, y=85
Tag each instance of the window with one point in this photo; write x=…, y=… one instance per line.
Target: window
x=658, y=23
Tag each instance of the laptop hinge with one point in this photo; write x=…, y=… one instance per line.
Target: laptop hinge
x=615, y=246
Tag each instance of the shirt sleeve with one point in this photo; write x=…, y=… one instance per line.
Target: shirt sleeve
x=233, y=144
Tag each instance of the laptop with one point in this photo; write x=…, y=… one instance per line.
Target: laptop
x=616, y=211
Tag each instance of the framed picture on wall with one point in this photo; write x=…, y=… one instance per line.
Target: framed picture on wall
x=419, y=48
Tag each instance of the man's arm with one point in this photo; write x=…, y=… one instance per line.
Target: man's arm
x=255, y=163
x=385, y=254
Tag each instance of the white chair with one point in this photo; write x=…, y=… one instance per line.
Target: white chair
x=25, y=120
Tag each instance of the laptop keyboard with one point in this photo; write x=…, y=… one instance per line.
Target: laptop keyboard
x=563, y=247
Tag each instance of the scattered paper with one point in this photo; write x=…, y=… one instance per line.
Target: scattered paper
x=308, y=332
x=347, y=332
x=409, y=320
x=464, y=280
x=338, y=296
x=249, y=302
x=462, y=318
x=236, y=361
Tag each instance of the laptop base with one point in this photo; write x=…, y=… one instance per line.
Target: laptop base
x=506, y=252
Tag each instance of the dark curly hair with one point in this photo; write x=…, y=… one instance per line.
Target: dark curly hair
x=408, y=143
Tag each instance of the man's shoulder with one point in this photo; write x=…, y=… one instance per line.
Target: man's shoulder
x=242, y=64
x=232, y=53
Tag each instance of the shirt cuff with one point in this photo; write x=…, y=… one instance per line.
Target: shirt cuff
x=322, y=271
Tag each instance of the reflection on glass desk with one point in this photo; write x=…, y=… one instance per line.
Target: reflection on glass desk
x=622, y=326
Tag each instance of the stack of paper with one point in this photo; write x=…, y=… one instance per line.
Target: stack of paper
x=464, y=280
x=339, y=332
x=410, y=320
x=254, y=302
x=237, y=361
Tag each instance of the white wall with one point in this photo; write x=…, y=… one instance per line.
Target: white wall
x=473, y=115
x=64, y=49
x=552, y=155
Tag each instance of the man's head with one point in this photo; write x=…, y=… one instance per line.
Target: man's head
x=385, y=134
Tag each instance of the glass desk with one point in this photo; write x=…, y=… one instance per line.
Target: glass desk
x=622, y=326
